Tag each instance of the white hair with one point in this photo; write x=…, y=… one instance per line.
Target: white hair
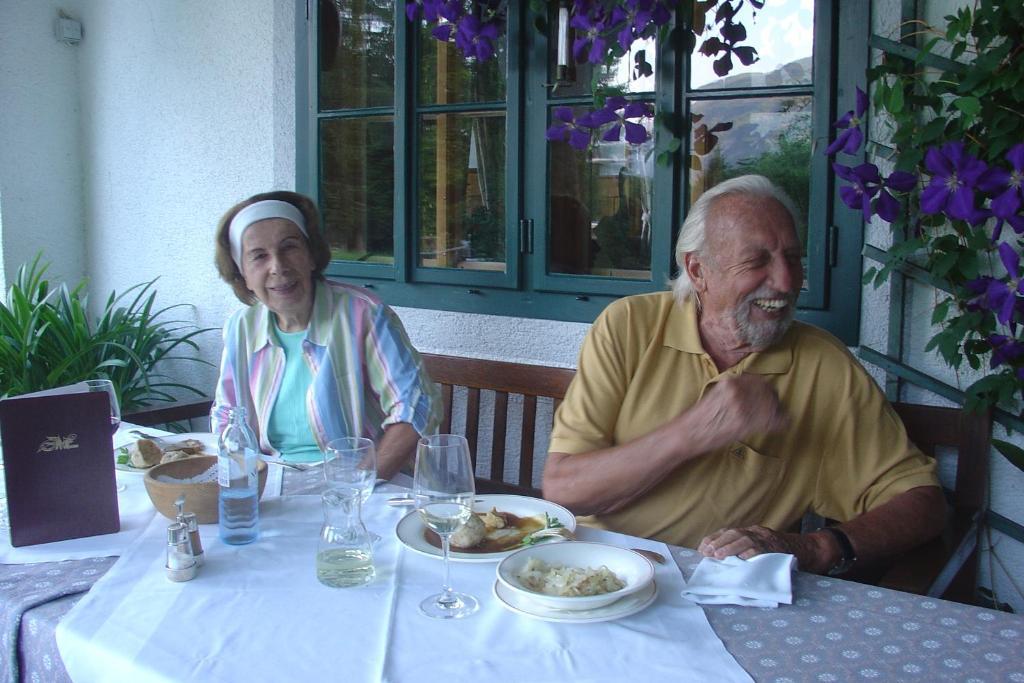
x=693, y=233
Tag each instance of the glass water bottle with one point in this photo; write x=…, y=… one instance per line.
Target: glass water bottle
x=237, y=460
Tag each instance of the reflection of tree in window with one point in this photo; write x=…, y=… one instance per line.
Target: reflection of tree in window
x=356, y=70
x=600, y=207
x=461, y=158
x=769, y=136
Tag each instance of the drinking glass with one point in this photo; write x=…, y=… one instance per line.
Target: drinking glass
x=350, y=462
x=107, y=387
x=443, y=488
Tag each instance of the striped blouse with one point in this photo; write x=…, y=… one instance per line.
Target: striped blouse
x=366, y=374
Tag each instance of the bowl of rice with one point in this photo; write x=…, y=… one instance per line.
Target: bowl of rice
x=575, y=575
x=194, y=478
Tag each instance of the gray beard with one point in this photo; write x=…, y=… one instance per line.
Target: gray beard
x=761, y=335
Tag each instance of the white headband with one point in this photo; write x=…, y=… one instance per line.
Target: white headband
x=261, y=211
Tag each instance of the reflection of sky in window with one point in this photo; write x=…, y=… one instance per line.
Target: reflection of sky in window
x=622, y=72
x=782, y=32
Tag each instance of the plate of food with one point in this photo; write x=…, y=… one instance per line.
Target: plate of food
x=501, y=524
x=144, y=453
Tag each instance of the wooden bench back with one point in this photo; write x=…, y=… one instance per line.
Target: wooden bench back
x=504, y=379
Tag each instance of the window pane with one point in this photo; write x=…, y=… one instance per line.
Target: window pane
x=462, y=191
x=782, y=61
x=446, y=77
x=357, y=54
x=600, y=209
x=357, y=181
x=629, y=73
x=769, y=136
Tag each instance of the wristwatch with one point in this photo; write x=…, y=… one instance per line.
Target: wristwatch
x=849, y=555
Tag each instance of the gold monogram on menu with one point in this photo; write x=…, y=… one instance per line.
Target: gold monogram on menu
x=58, y=443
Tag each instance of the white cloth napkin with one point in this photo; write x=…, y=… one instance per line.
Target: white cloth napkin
x=762, y=581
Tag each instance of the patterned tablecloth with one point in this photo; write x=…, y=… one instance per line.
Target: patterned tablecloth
x=835, y=630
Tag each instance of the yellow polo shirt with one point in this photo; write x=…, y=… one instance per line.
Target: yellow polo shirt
x=642, y=364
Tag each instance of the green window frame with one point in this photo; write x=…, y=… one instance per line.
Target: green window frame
x=525, y=289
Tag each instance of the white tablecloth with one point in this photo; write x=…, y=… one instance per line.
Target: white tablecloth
x=257, y=613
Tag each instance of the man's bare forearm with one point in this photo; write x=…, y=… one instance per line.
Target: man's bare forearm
x=909, y=519
x=396, y=448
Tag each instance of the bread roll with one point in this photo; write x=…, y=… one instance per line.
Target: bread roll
x=144, y=453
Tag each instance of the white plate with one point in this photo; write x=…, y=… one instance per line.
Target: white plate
x=208, y=439
x=631, y=604
x=410, y=528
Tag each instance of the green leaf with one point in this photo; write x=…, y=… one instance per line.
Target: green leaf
x=1011, y=452
x=895, y=101
x=970, y=106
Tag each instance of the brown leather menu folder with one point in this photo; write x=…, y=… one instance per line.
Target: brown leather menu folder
x=59, y=466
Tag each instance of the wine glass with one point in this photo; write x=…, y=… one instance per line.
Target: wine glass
x=4, y=521
x=350, y=462
x=443, y=488
x=107, y=387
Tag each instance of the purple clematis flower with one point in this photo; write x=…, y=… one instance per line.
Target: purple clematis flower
x=866, y=182
x=850, y=139
x=887, y=207
x=589, y=41
x=954, y=177
x=1005, y=350
x=1000, y=295
x=636, y=133
x=636, y=16
x=476, y=39
x=566, y=128
x=1007, y=190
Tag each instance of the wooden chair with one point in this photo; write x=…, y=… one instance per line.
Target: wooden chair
x=504, y=379
x=947, y=567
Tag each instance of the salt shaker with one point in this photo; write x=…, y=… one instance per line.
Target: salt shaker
x=191, y=523
x=181, y=565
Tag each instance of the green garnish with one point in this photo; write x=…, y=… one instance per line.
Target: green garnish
x=122, y=455
x=549, y=523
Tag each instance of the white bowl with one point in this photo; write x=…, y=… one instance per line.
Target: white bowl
x=634, y=569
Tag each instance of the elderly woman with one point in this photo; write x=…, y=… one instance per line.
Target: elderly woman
x=312, y=360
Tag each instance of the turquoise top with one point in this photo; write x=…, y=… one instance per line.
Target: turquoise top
x=288, y=428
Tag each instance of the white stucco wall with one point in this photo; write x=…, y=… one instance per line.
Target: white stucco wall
x=122, y=153
x=40, y=150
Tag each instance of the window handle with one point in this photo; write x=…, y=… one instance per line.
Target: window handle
x=526, y=235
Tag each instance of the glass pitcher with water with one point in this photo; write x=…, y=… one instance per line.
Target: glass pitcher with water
x=344, y=555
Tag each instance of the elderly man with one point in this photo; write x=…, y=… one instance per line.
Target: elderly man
x=706, y=417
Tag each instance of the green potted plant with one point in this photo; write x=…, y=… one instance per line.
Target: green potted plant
x=49, y=339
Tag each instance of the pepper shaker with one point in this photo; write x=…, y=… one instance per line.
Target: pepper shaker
x=191, y=523
x=181, y=565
